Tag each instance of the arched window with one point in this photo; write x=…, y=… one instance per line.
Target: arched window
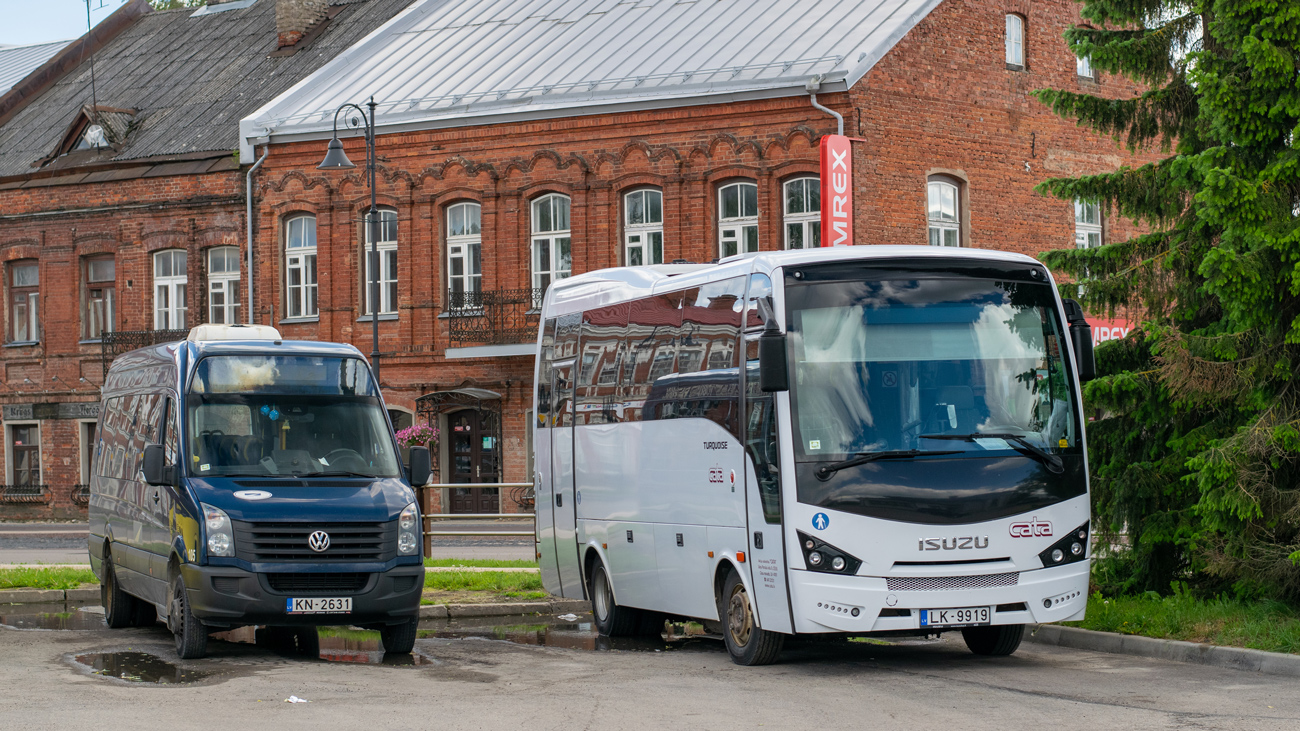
x=944, y=211
x=300, y=266
x=643, y=227
x=1087, y=225
x=223, y=285
x=803, y=213
x=386, y=227
x=737, y=218
x=169, y=282
x=464, y=255
x=1015, y=40
x=551, y=238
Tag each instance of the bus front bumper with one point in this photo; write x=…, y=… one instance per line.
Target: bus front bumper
x=226, y=596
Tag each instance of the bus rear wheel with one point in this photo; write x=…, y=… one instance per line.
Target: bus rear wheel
x=747, y=643
x=611, y=619
x=998, y=640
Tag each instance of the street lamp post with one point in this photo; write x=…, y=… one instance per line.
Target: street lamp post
x=336, y=159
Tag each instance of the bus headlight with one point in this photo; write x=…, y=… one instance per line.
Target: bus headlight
x=408, y=542
x=821, y=556
x=1073, y=547
x=221, y=536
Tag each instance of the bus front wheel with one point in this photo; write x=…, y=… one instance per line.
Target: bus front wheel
x=996, y=640
x=611, y=619
x=746, y=641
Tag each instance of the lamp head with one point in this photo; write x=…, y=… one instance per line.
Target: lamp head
x=335, y=158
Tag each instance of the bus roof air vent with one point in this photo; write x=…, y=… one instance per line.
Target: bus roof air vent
x=210, y=332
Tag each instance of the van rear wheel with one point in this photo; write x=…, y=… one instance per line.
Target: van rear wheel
x=120, y=609
x=747, y=643
x=611, y=619
x=997, y=640
x=191, y=635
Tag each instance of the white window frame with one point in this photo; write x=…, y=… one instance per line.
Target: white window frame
x=942, y=230
x=387, y=248
x=225, y=284
x=738, y=232
x=552, y=248
x=643, y=241
x=807, y=222
x=1015, y=40
x=1083, y=67
x=32, y=292
x=1088, y=234
x=465, y=249
x=170, y=309
x=105, y=315
x=300, y=259
x=9, y=451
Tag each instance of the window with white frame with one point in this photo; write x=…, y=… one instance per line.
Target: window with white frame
x=169, y=285
x=464, y=254
x=1083, y=66
x=223, y=285
x=551, y=239
x=737, y=218
x=1015, y=40
x=24, y=446
x=1087, y=225
x=386, y=227
x=24, y=301
x=803, y=213
x=643, y=227
x=100, y=297
x=300, y=266
x=943, y=212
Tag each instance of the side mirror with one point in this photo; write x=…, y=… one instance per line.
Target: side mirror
x=421, y=467
x=1081, y=338
x=773, y=371
x=155, y=469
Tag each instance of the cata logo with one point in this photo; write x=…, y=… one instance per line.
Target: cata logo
x=319, y=541
x=1032, y=528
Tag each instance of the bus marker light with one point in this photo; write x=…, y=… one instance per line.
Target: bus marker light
x=604, y=545
x=815, y=558
x=710, y=554
x=740, y=556
x=838, y=563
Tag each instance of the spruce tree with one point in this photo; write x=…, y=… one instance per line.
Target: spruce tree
x=1195, y=449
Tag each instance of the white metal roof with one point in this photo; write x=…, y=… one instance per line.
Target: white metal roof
x=16, y=62
x=445, y=63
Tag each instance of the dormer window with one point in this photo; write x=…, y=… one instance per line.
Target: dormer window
x=92, y=138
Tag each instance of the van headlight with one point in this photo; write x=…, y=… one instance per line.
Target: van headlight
x=408, y=523
x=221, y=536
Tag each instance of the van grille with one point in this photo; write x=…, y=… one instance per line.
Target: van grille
x=317, y=583
x=287, y=542
x=938, y=583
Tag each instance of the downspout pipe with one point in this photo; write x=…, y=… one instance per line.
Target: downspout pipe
x=248, y=217
x=813, y=86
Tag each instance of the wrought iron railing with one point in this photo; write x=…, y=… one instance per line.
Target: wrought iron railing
x=80, y=495
x=113, y=344
x=24, y=493
x=493, y=317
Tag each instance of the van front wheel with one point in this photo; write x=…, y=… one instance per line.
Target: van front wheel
x=191, y=635
x=400, y=638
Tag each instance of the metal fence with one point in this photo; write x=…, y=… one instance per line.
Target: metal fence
x=80, y=495
x=523, y=519
x=493, y=317
x=24, y=493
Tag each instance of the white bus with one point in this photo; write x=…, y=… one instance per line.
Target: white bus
x=858, y=440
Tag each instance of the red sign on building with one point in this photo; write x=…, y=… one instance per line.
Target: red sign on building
x=837, y=191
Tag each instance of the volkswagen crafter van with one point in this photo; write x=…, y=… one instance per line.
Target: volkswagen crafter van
x=241, y=479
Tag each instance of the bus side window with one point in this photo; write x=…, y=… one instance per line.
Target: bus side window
x=603, y=334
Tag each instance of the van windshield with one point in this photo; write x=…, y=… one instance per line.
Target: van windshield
x=288, y=416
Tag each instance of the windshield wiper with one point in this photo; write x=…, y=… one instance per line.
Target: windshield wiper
x=1018, y=443
x=335, y=473
x=826, y=471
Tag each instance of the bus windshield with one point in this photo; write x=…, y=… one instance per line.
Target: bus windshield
x=289, y=416
x=951, y=364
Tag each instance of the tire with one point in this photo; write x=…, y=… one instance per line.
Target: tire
x=191, y=635
x=399, y=638
x=747, y=643
x=611, y=619
x=146, y=614
x=651, y=624
x=998, y=640
x=120, y=609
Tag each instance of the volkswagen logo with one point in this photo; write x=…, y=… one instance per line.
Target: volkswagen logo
x=319, y=541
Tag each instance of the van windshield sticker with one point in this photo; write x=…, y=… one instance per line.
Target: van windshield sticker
x=205, y=467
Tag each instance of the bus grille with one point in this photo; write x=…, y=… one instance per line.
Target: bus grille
x=939, y=583
x=287, y=542
x=317, y=583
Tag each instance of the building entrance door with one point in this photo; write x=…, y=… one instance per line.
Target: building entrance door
x=474, y=459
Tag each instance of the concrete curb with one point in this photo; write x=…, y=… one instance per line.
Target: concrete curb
x=453, y=611
x=31, y=596
x=1234, y=658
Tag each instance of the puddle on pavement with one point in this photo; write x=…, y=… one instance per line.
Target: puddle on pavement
x=56, y=617
x=571, y=635
x=138, y=667
x=337, y=644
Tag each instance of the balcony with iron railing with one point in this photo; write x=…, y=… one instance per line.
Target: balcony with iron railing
x=117, y=342
x=492, y=317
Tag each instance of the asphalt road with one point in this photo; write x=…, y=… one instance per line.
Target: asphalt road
x=497, y=676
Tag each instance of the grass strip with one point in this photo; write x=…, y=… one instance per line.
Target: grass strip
x=482, y=597
x=1264, y=625
x=481, y=563
x=45, y=578
x=493, y=581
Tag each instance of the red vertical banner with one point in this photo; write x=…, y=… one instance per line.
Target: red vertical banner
x=837, y=191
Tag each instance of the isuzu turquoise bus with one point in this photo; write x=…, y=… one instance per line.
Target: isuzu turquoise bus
x=853, y=440
x=241, y=479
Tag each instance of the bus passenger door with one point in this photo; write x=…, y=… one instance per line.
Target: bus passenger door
x=543, y=502
x=562, y=501
x=763, y=483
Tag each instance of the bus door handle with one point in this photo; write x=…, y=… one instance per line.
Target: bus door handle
x=559, y=499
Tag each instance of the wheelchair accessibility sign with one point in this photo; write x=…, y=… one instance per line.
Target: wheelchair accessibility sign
x=820, y=521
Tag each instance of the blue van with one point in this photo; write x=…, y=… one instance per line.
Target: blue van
x=241, y=479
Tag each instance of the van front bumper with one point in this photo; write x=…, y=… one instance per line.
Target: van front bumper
x=227, y=596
